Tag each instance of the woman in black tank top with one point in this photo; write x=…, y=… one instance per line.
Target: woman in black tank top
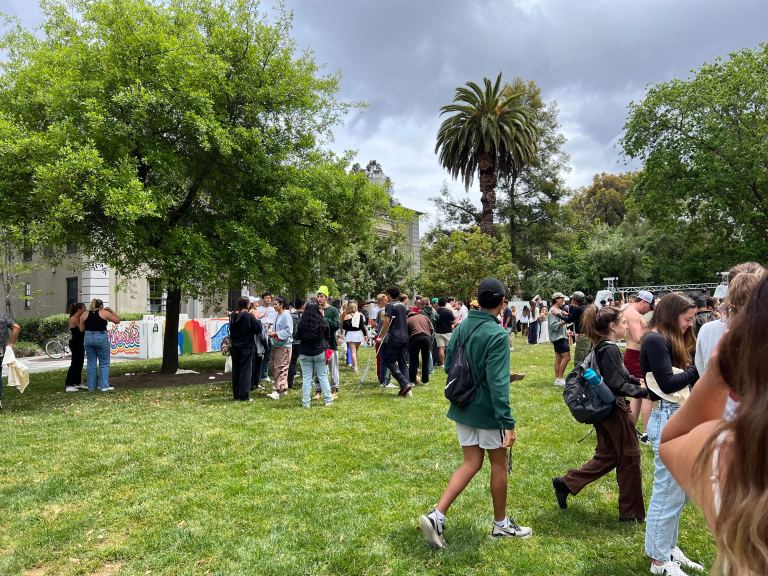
x=74, y=381
x=97, y=347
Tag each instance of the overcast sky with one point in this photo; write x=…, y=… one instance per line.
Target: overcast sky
x=405, y=58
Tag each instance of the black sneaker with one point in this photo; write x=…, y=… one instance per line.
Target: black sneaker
x=561, y=492
x=642, y=437
x=432, y=530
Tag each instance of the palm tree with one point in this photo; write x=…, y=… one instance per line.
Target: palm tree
x=491, y=132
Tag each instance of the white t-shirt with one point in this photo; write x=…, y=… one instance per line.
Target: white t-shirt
x=709, y=336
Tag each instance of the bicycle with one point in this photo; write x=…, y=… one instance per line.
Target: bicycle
x=58, y=347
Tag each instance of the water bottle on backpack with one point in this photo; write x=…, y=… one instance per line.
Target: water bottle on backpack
x=599, y=387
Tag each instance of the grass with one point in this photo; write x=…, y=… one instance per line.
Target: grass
x=182, y=481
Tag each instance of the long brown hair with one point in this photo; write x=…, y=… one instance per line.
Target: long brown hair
x=596, y=322
x=665, y=322
x=740, y=527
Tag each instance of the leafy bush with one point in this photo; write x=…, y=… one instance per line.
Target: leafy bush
x=40, y=329
x=23, y=348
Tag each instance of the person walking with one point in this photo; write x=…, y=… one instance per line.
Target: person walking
x=395, y=332
x=313, y=334
x=281, y=341
x=669, y=344
x=74, y=380
x=486, y=423
x=355, y=330
x=420, y=331
x=617, y=444
x=244, y=328
x=443, y=329
x=96, y=342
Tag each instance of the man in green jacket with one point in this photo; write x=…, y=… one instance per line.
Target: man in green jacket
x=486, y=423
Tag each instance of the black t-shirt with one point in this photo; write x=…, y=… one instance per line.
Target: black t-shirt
x=507, y=318
x=575, y=317
x=445, y=319
x=398, y=325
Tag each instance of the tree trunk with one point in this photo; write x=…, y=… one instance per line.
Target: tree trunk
x=171, y=337
x=487, y=195
x=512, y=219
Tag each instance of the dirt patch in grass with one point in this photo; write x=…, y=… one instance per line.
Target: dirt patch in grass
x=157, y=380
x=108, y=569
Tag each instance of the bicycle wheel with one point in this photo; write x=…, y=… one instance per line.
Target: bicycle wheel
x=54, y=349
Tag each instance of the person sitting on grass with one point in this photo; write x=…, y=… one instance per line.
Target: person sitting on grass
x=486, y=423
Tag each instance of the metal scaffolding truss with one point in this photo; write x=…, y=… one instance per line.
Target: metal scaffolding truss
x=702, y=287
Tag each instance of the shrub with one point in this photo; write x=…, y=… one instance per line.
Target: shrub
x=23, y=348
x=40, y=329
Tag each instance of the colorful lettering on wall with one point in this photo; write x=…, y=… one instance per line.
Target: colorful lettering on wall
x=125, y=339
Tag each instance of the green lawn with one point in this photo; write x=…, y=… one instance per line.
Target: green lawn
x=183, y=481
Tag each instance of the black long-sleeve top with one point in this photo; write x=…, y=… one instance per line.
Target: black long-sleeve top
x=347, y=326
x=242, y=329
x=312, y=344
x=615, y=375
x=656, y=357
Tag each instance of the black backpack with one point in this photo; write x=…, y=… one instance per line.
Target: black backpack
x=460, y=387
x=296, y=317
x=585, y=404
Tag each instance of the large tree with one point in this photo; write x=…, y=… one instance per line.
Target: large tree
x=489, y=131
x=703, y=146
x=178, y=139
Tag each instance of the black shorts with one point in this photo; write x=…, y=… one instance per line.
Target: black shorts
x=561, y=346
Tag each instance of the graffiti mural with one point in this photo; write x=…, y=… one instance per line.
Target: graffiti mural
x=217, y=338
x=125, y=339
x=203, y=335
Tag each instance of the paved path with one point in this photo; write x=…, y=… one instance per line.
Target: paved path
x=45, y=364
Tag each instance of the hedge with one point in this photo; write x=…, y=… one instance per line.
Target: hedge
x=42, y=328
x=23, y=349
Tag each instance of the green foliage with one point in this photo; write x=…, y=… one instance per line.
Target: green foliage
x=452, y=264
x=39, y=329
x=23, y=349
x=703, y=144
x=179, y=139
x=605, y=200
x=491, y=131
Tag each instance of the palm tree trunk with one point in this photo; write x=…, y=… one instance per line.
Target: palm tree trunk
x=512, y=218
x=487, y=195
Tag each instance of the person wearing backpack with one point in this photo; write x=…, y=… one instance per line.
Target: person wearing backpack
x=617, y=444
x=296, y=312
x=485, y=424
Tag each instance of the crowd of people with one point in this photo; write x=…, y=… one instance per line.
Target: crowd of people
x=689, y=368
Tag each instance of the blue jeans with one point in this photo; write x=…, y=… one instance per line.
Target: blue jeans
x=662, y=522
x=97, y=347
x=308, y=363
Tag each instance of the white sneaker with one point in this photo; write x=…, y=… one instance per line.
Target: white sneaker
x=266, y=379
x=71, y=389
x=669, y=568
x=274, y=395
x=511, y=530
x=432, y=530
x=560, y=382
x=107, y=389
x=678, y=556
x=390, y=385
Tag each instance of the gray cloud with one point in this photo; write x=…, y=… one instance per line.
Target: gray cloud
x=405, y=59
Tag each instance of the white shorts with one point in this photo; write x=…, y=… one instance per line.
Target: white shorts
x=483, y=437
x=354, y=336
x=442, y=339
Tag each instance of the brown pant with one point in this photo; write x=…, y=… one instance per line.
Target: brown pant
x=617, y=447
x=279, y=362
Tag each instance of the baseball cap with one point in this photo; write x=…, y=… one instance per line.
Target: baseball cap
x=323, y=290
x=578, y=295
x=435, y=300
x=490, y=292
x=646, y=296
x=557, y=295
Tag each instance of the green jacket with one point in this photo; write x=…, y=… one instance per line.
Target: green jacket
x=332, y=317
x=488, y=354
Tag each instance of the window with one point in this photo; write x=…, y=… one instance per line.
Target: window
x=71, y=248
x=27, y=296
x=232, y=297
x=27, y=254
x=72, y=293
x=49, y=252
x=155, y=296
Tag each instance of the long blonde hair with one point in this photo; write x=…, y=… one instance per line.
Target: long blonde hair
x=742, y=280
x=741, y=529
x=351, y=308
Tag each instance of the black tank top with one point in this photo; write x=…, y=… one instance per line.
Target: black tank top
x=94, y=322
x=77, y=336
